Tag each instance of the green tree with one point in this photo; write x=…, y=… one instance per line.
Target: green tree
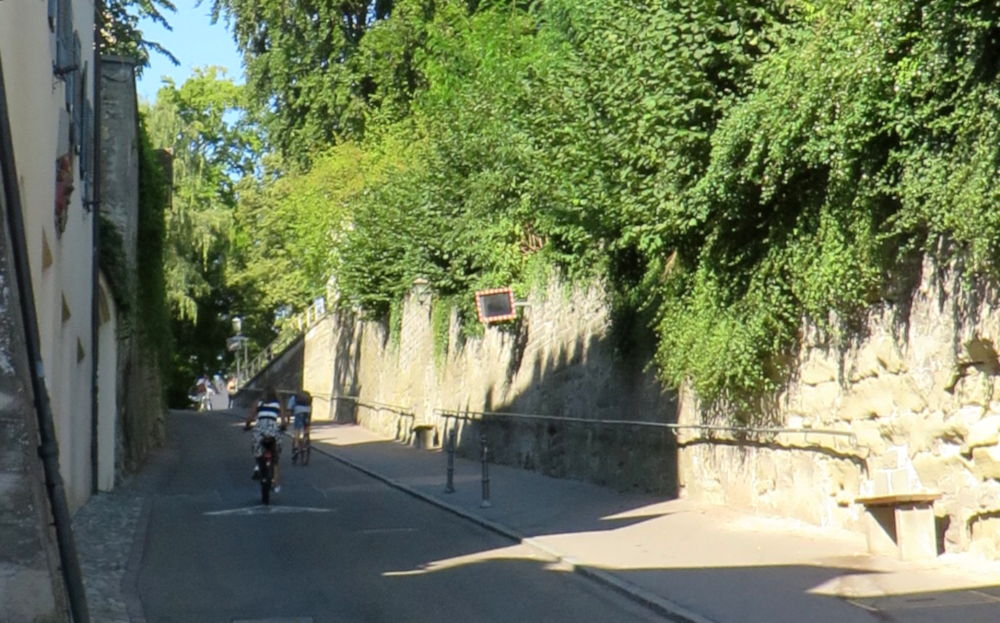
x=119, y=31
x=213, y=147
x=287, y=227
x=308, y=64
x=732, y=169
x=455, y=206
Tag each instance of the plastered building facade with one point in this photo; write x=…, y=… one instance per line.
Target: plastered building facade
x=50, y=69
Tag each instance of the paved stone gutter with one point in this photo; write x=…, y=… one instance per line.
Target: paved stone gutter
x=105, y=530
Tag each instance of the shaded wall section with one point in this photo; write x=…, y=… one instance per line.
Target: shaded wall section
x=139, y=401
x=284, y=374
x=556, y=361
x=31, y=585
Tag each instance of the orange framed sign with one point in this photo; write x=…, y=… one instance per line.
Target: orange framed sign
x=496, y=305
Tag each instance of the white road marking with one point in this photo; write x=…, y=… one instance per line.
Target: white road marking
x=268, y=510
x=386, y=530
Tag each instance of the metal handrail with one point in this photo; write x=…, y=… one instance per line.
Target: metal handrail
x=672, y=427
x=376, y=405
x=449, y=413
x=302, y=322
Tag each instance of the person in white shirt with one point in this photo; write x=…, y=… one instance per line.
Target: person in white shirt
x=269, y=418
x=299, y=406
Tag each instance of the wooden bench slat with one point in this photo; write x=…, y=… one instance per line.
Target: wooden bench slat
x=898, y=498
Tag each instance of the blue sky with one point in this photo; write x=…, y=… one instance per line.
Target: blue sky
x=194, y=40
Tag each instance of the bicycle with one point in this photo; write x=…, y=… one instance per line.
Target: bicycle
x=265, y=463
x=301, y=452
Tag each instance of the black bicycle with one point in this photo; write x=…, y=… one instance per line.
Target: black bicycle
x=265, y=466
x=300, y=454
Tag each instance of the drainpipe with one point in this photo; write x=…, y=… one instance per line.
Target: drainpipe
x=95, y=215
x=48, y=449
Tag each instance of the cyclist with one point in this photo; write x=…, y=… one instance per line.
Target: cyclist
x=203, y=393
x=300, y=407
x=269, y=417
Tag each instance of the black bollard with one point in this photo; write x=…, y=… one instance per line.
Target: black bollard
x=450, y=487
x=486, y=473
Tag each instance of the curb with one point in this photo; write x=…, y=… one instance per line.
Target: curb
x=660, y=605
x=130, y=579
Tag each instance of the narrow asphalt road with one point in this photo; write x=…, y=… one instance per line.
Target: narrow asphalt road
x=335, y=546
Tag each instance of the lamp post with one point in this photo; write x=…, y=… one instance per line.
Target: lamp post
x=236, y=344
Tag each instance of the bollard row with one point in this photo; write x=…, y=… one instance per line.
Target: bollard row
x=484, y=460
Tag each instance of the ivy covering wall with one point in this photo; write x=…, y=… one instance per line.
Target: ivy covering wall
x=729, y=168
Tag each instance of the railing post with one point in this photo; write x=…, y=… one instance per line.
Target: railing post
x=484, y=450
x=450, y=486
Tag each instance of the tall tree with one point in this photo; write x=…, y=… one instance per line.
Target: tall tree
x=120, y=33
x=318, y=68
x=287, y=227
x=213, y=147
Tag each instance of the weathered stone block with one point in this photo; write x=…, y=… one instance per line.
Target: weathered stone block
x=974, y=388
x=817, y=370
x=985, y=535
x=986, y=462
x=816, y=401
x=877, y=357
x=880, y=397
x=985, y=432
x=938, y=471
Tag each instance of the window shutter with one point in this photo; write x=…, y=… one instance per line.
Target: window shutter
x=67, y=54
x=53, y=14
x=79, y=96
x=87, y=156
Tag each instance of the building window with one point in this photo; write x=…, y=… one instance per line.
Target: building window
x=46, y=252
x=103, y=307
x=53, y=14
x=64, y=190
x=66, y=313
x=67, y=43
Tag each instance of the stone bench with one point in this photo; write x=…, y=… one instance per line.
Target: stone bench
x=901, y=524
x=423, y=435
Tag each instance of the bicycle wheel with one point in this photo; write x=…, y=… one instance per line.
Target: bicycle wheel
x=265, y=482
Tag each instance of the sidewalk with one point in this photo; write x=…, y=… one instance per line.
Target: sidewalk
x=693, y=563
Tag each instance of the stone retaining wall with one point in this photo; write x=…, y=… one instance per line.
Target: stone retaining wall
x=919, y=391
x=910, y=403
x=555, y=360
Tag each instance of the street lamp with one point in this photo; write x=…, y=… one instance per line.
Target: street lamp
x=236, y=344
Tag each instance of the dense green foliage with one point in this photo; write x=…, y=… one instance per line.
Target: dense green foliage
x=120, y=33
x=212, y=148
x=209, y=155
x=287, y=226
x=731, y=169
x=316, y=66
x=140, y=298
x=152, y=309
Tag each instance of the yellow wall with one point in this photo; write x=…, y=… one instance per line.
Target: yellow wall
x=40, y=133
